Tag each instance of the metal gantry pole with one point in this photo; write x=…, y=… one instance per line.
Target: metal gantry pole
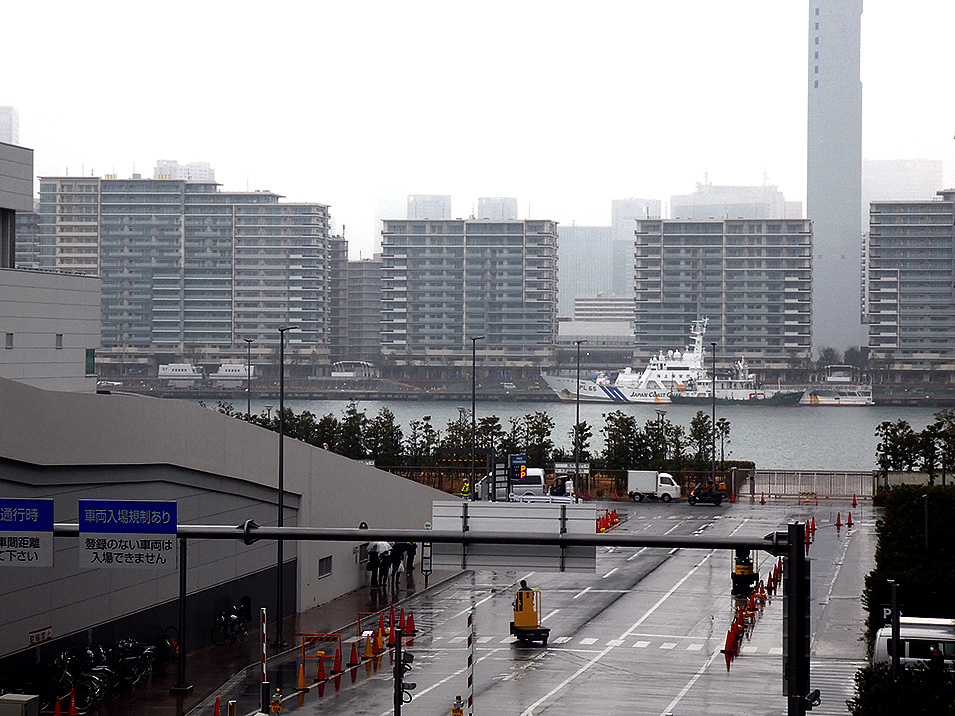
x=577, y=430
x=280, y=550
x=182, y=686
x=474, y=340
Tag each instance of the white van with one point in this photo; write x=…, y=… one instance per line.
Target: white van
x=916, y=634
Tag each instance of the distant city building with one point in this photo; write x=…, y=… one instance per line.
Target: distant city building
x=834, y=172
x=623, y=214
x=337, y=297
x=193, y=171
x=604, y=308
x=363, y=311
x=750, y=277
x=584, y=264
x=429, y=206
x=444, y=282
x=733, y=202
x=190, y=271
x=27, y=240
x=899, y=180
x=909, y=289
x=9, y=125
x=497, y=208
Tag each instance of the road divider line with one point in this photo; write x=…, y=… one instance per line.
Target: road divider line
x=529, y=711
x=689, y=684
x=609, y=573
x=550, y=615
x=581, y=593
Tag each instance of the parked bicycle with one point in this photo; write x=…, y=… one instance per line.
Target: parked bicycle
x=232, y=625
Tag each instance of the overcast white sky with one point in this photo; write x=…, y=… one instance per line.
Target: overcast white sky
x=562, y=105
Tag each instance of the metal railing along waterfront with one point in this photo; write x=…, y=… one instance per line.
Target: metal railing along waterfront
x=824, y=483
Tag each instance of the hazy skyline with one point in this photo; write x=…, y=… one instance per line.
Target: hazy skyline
x=358, y=106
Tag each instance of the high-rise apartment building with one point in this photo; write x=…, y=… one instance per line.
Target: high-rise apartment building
x=623, y=214
x=910, y=288
x=585, y=264
x=362, y=312
x=192, y=171
x=751, y=278
x=9, y=125
x=445, y=282
x=834, y=171
x=429, y=206
x=188, y=270
x=497, y=208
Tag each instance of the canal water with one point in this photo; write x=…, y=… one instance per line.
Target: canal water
x=784, y=438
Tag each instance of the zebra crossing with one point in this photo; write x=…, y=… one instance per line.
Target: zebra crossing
x=835, y=679
x=664, y=643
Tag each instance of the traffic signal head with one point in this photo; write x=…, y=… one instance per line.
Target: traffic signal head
x=406, y=659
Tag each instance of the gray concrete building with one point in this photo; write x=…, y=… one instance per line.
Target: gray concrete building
x=910, y=289
x=444, y=282
x=219, y=470
x=429, y=206
x=751, y=278
x=9, y=125
x=497, y=208
x=733, y=202
x=189, y=271
x=623, y=214
x=899, y=180
x=585, y=264
x=834, y=172
x=362, y=313
x=190, y=171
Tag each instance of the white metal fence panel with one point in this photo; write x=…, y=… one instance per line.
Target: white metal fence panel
x=822, y=483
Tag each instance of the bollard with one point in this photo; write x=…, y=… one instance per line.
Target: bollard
x=231, y=708
x=457, y=708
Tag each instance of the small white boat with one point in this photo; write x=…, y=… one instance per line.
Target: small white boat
x=841, y=386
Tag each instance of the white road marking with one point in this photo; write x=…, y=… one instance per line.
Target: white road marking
x=588, y=641
x=473, y=608
x=615, y=642
x=582, y=593
x=609, y=573
x=637, y=553
x=550, y=615
x=668, y=645
x=694, y=647
x=689, y=684
x=529, y=711
x=641, y=645
x=562, y=639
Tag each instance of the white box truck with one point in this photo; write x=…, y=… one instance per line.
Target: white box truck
x=651, y=485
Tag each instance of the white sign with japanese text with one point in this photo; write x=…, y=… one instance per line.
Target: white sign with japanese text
x=127, y=534
x=26, y=533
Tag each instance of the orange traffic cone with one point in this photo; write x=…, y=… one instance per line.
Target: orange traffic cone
x=808, y=536
x=854, y=499
x=353, y=661
x=391, y=639
x=71, y=711
x=369, y=648
x=300, y=685
x=320, y=676
x=401, y=621
x=218, y=710
x=730, y=646
x=838, y=520
x=410, y=630
x=849, y=521
x=813, y=528
x=379, y=646
x=337, y=668
x=614, y=517
x=381, y=623
x=56, y=707
x=615, y=493
x=732, y=497
x=321, y=689
x=762, y=498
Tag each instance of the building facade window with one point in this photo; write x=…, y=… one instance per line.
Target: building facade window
x=325, y=567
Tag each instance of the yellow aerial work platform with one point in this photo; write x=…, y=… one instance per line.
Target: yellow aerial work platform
x=527, y=607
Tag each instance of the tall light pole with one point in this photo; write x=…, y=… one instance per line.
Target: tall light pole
x=248, y=379
x=577, y=428
x=474, y=340
x=660, y=413
x=713, y=420
x=279, y=641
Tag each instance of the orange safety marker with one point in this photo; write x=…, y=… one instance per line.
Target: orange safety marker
x=379, y=647
x=401, y=621
x=71, y=711
x=321, y=689
x=353, y=661
x=813, y=528
x=320, y=676
x=56, y=706
x=381, y=623
x=391, y=639
x=854, y=499
x=337, y=668
x=410, y=630
x=732, y=497
x=762, y=498
x=369, y=648
x=849, y=521
x=838, y=520
x=300, y=685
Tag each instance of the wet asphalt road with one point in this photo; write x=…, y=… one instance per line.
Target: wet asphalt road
x=640, y=636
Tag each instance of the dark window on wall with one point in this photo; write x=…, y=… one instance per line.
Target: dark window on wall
x=9, y=340
x=59, y=341
x=325, y=567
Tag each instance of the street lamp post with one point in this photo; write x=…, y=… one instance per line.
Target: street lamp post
x=713, y=419
x=577, y=428
x=474, y=340
x=279, y=641
x=663, y=442
x=248, y=379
